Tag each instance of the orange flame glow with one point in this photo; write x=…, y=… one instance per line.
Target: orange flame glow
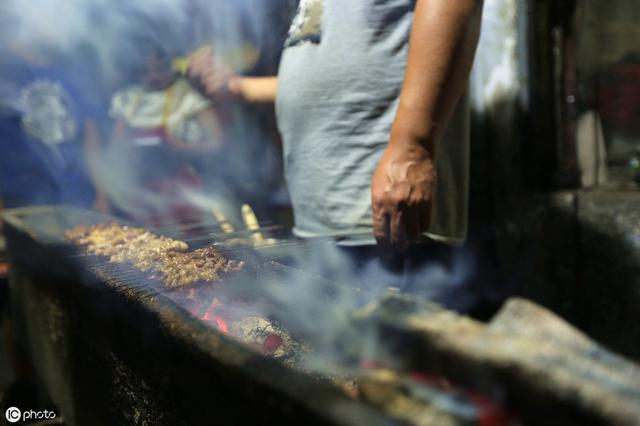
x=217, y=320
x=221, y=324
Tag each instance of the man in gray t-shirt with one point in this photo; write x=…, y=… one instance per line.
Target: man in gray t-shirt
x=340, y=80
x=369, y=106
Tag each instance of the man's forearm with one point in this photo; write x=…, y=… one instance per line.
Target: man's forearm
x=255, y=89
x=442, y=46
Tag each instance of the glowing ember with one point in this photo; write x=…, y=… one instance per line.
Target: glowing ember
x=487, y=412
x=212, y=307
x=255, y=331
x=433, y=380
x=221, y=325
x=271, y=343
x=216, y=320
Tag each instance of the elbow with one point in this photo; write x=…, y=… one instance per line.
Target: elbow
x=460, y=13
x=461, y=10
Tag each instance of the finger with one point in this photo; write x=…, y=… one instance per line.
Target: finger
x=209, y=81
x=234, y=86
x=201, y=54
x=412, y=224
x=204, y=66
x=214, y=83
x=200, y=64
x=196, y=63
x=381, y=226
x=398, y=237
x=381, y=231
x=378, y=212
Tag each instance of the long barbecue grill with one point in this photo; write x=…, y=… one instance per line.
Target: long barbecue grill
x=115, y=347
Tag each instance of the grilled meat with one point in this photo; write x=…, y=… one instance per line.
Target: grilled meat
x=121, y=243
x=178, y=269
x=164, y=258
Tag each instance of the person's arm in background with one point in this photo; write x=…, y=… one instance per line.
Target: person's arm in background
x=255, y=89
x=217, y=80
x=441, y=49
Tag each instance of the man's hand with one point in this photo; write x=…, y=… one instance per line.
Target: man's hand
x=215, y=78
x=402, y=191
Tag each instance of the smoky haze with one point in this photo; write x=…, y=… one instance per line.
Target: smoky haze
x=105, y=37
x=103, y=34
x=316, y=303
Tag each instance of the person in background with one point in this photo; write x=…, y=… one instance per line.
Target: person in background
x=47, y=120
x=161, y=125
x=49, y=115
x=371, y=107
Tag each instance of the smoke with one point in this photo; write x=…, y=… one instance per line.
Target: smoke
x=316, y=300
x=101, y=40
x=109, y=29
x=105, y=34
x=105, y=28
x=318, y=309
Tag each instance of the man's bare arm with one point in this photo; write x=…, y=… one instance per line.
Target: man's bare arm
x=216, y=79
x=441, y=50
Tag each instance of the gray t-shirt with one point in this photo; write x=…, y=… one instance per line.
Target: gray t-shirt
x=339, y=82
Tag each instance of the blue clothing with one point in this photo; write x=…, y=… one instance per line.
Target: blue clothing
x=43, y=111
